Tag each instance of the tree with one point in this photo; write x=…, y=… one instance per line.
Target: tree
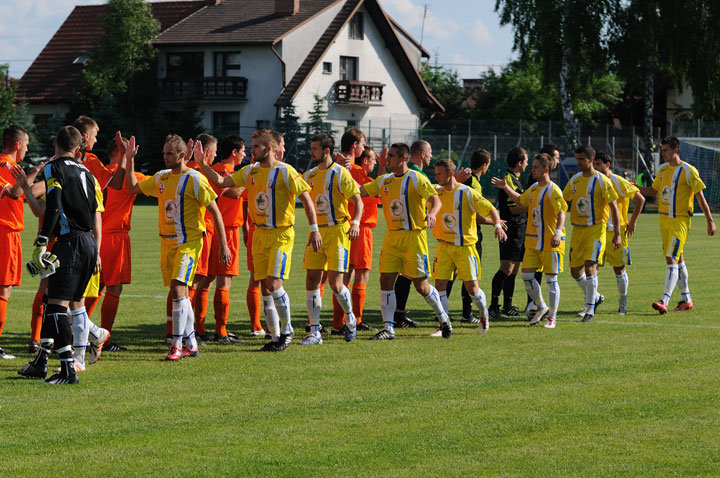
x=317, y=116
x=290, y=126
x=445, y=85
x=7, y=97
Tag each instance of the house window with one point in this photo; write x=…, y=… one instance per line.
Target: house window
x=355, y=27
x=327, y=68
x=226, y=122
x=349, y=68
x=262, y=124
x=227, y=64
x=185, y=66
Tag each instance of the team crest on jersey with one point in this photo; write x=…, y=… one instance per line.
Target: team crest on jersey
x=665, y=193
x=161, y=188
x=170, y=209
x=252, y=180
x=449, y=222
x=583, y=205
x=385, y=190
x=396, y=208
x=322, y=203
x=574, y=188
x=262, y=201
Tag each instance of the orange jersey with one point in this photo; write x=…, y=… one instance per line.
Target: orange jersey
x=11, y=210
x=193, y=165
x=230, y=209
x=101, y=172
x=370, y=204
x=118, y=206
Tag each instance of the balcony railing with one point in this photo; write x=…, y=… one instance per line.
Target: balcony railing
x=358, y=92
x=214, y=88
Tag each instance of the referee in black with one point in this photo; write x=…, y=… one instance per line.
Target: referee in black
x=69, y=216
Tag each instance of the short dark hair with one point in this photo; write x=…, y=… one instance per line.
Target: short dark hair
x=326, y=141
x=671, y=141
x=549, y=149
x=603, y=156
x=366, y=152
x=229, y=144
x=544, y=159
x=84, y=124
x=349, y=137
x=279, y=137
x=206, y=140
x=112, y=146
x=13, y=134
x=587, y=150
x=418, y=147
x=515, y=156
x=479, y=158
x=68, y=138
x=446, y=163
x=403, y=150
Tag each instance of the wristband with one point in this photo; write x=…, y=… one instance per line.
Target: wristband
x=41, y=241
x=558, y=232
x=314, y=228
x=498, y=226
x=355, y=222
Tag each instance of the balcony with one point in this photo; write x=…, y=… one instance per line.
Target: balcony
x=212, y=88
x=358, y=92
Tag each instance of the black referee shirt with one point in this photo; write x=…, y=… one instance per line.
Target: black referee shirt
x=70, y=198
x=505, y=203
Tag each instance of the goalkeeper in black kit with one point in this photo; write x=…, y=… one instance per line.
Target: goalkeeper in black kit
x=70, y=216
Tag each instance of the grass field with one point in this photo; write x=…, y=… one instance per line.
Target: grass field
x=632, y=395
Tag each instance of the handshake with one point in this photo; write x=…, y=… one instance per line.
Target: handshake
x=43, y=262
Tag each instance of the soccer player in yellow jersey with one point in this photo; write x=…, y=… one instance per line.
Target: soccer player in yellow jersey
x=679, y=184
x=272, y=188
x=544, y=236
x=183, y=196
x=592, y=195
x=456, y=233
x=619, y=258
x=404, y=194
x=332, y=187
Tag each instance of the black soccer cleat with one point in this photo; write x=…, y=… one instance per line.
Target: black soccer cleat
x=600, y=300
x=588, y=318
x=227, y=339
x=364, y=327
x=60, y=379
x=446, y=329
x=33, y=370
x=494, y=312
x=383, y=335
x=111, y=346
x=511, y=311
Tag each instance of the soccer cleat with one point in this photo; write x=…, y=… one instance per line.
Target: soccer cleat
x=175, y=354
x=96, y=345
x=588, y=318
x=283, y=343
x=33, y=347
x=33, y=370
x=402, y=321
x=660, y=307
x=473, y=319
x=268, y=347
x=682, y=305
x=60, y=379
x=622, y=306
x=187, y=352
x=77, y=366
x=349, y=333
x=446, y=330
x=202, y=339
x=494, y=311
x=5, y=355
x=539, y=314
x=364, y=327
x=257, y=333
x=582, y=312
x=437, y=333
x=311, y=339
x=334, y=331
x=600, y=299
x=383, y=335
x=511, y=311
x=168, y=339
x=530, y=310
x=484, y=325
x=227, y=339
x=550, y=323
x=111, y=346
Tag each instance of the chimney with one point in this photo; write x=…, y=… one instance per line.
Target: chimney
x=287, y=7
x=212, y=3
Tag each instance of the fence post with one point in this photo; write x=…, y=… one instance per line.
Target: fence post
x=607, y=135
x=542, y=141
x=613, y=151
x=550, y=131
x=589, y=141
x=369, y=130
x=494, y=147
x=390, y=128
x=449, y=146
x=671, y=127
x=698, y=128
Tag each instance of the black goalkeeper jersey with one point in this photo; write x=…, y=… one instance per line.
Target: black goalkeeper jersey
x=70, y=197
x=505, y=203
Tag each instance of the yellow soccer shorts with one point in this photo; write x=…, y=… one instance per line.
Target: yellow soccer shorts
x=587, y=244
x=674, y=232
x=179, y=261
x=549, y=261
x=449, y=257
x=272, y=252
x=617, y=257
x=335, y=252
x=406, y=253
x=93, y=287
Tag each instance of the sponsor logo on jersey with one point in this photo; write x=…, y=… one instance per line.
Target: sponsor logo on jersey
x=170, y=209
x=396, y=208
x=583, y=205
x=665, y=193
x=322, y=203
x=536, y=217
x=449, y=221
x=262, y=201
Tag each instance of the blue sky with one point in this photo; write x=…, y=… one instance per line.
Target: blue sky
x=463, y=34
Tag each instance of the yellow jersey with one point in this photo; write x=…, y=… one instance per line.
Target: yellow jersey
x=625, y=191
x=182, y=199
x=457, y=220
x=544, y=203
x=590, y=197
x=677, y=186
x=330, y=190
x=271, y=193
x=403, y=199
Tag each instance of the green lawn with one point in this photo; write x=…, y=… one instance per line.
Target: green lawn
x=632, y=395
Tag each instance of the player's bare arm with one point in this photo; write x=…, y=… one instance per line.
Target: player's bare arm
x=131, y=182
x=97, y=232
x=711, y=229
x=354, y=232
x=382, y=161
x=246, y=224
x=363, y=192
x=500, y=183
x=36, y=206
x=494, y=219
x=615, y=213
x=215, y=179
x=233, y=193
x=639, y=203
x=315, y=240
x=646, y=191
x=556, y=239
x=225, y=256
x=434, y=204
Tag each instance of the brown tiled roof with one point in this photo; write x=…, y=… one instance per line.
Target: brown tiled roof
x=392, y=42
x=53, y=77
x=239, y=22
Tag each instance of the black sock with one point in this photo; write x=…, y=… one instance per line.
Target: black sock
x=449, y=288
x=508, y=291
x=402, y=291
x=467, y=302
x=498, y=283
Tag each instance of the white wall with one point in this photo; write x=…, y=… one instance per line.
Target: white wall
x=412, y=51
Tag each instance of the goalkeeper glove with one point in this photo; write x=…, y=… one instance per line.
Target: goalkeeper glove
x=41, y=243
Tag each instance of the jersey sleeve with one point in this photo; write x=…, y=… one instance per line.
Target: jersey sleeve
x=373, y=187
x=52, y=179
x=296, y=184
x=482, y=205
x=238, y=178
x=567, y=192
x=608, y=190
x=657, y=182
x=205, y=195
x=4, y=185
x=348, y=186
x=626, y=188
x=148, y=186
x=99, y=196
x=696, y=184
x=557, y=200
x=524, y=198
x=425, y=188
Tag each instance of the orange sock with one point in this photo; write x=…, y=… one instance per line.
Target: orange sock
x=108, y=311
x=358, y=295
x=338, y=315
x=221, y=303
x=322, y=290
x=253, y=304
x=200, y=306
x=36, y=317
x=91, y=303
x=3, y=312
x=168, y=312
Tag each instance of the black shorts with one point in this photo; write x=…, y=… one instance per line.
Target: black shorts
x=77, y=253
x=478, y=244
x=513, y=249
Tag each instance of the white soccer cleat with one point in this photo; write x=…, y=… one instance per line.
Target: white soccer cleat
x=484, y=324
x=311, y=339
x=94, y=351
x=550, y=323
x=539, y=314
x=582, y=312
x=257, y=333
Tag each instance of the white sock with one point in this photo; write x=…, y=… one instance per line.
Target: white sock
x=581, y=281
x=444, y=301
x=345, y=300
x=533, y=289
x=480, y=302
x=433, y=300
x=80, y=331
x=682, y=282
x=178, y=322
x=622, y=282
x=189, y=328
x=591, y=285
x=671, y=278
x=553, y=294
x=314, y=306
x=271, y=317
x=282, y=305
x=388, y=303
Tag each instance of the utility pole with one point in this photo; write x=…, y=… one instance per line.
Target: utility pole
x=422, y=28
